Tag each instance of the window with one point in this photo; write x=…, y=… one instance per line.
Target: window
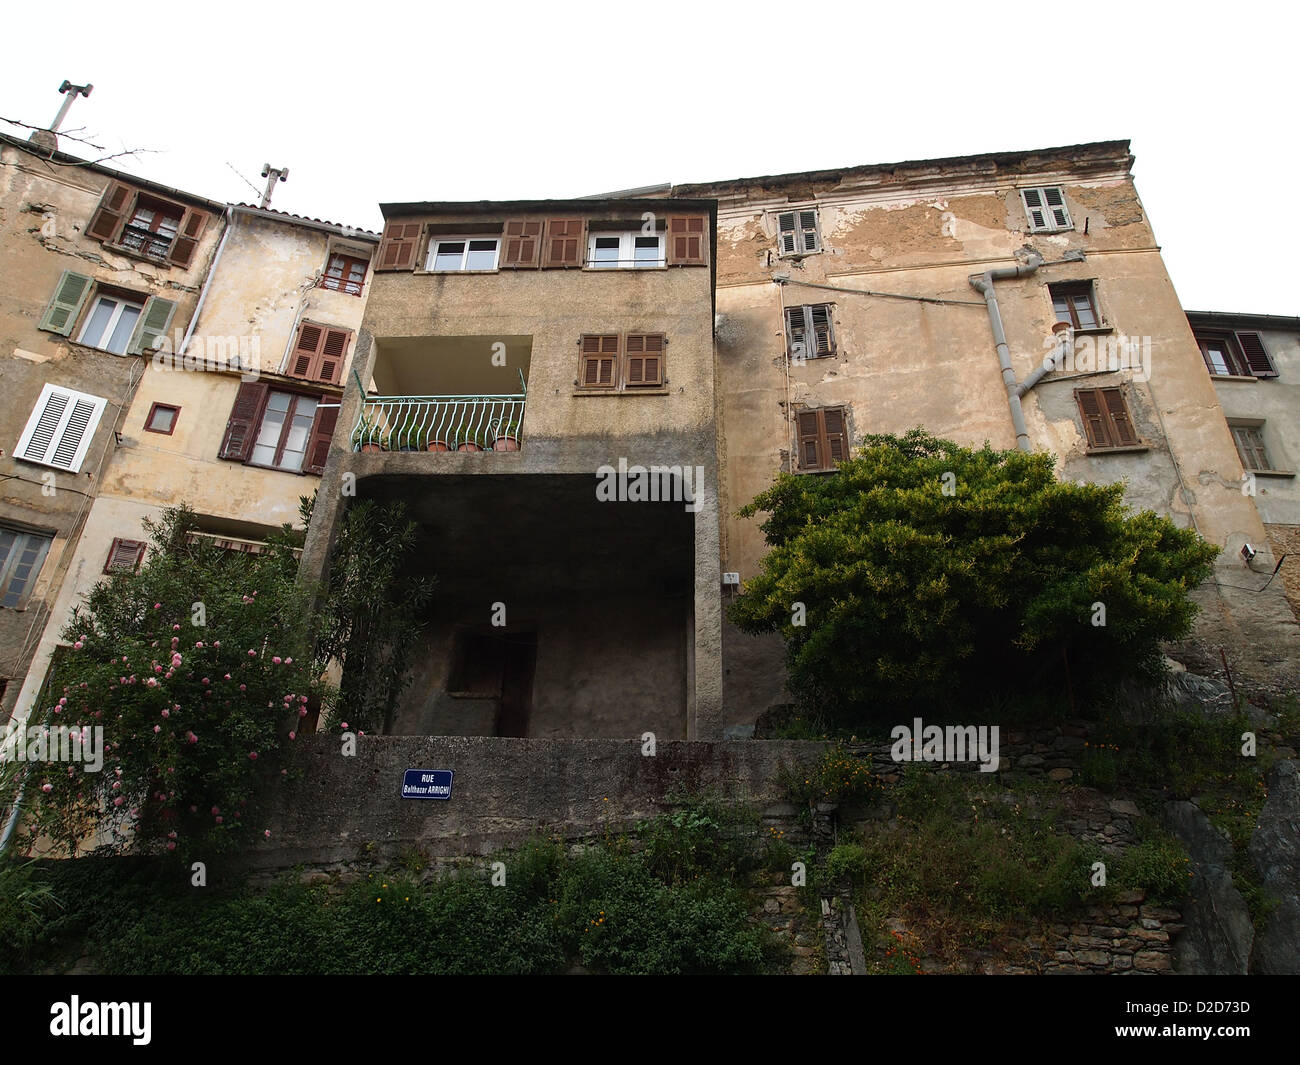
x=345, y=273
x=161, y=419
x=613, y=362
x=147, y=226
x=1235, y=355
x=60, y=429
x=397, y=248
x=463, y=253
x=318, y=353
x=823, y=438
x=628, y=250
x=279, y=429
x=1075, y=303
x=110, y=324
x=21, y=555
x=1045, y=209
x=1106, y=419
x=808, y=332
x=1249, y=439
x=797, y=232
x=119, y=322
x=284, y=431
x=124, y=556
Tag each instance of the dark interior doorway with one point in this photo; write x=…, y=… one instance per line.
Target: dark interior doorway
x=498, y=664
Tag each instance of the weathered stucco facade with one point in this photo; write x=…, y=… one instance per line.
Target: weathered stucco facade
x=851, y=239
x=1254, y=362
x=558, y=612
x=92, y=259
x=268, y=276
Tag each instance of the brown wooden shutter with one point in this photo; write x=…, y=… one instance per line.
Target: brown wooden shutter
x=305, y=359
x=687, y=243
x=1257, y=357
x=1094, y=421
x=112, y=211
x=318, y=443
x=329, y=367
x=564, y=242
x=823, y=341
x=808, y=424
x=523, y=244
x=187, y=237
x=837, y=436
x=1122, y=432
x=398, y=246
x=124, y=555
x=241, y=428
x=645, y=359
x=599, y=361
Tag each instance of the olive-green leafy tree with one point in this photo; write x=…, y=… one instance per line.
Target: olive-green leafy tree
x=923, y=573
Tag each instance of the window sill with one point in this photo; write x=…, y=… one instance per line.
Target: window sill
x=1272, y=473
x=1053, y=229
x=796, y=361
x=824, y=469
x=1097, y=330
x=452, y=273
x=341, y=291
x=589, y=269
x=622, y=392
x=1231, y=377
x=1117, y=450
x=279, y=469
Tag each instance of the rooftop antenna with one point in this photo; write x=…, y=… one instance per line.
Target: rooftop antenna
x=272, y=174
x=46, y=138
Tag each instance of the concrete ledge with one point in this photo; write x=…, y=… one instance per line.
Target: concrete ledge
x=503, y=792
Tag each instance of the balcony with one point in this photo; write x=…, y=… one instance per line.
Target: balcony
x=440, y=423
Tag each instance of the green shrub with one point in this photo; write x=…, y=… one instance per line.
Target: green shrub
x=1159, y=866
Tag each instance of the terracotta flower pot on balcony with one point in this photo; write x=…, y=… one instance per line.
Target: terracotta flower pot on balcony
x=438, y=445
x=1062, y=327
x=468, y=445
x=505, y=443
x=371, y=447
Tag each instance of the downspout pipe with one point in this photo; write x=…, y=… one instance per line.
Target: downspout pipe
x=207, y=281
x=983, y=284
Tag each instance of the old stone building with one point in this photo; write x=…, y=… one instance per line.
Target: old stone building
x=869, y=299
x=231, y=415
x=540, y=391
x=98, y=266
x=1254, y=362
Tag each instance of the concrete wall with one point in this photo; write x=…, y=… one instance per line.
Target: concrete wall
x=1274, y=401
x=45, y=207
x=504, y=792
x=922, y=230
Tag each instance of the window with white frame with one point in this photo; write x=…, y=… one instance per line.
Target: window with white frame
x=632, y=250
x=111, y=324
x=457, y=254
x=1045, y=209
x=796, y=232
x=60, y=429
x=21, y=555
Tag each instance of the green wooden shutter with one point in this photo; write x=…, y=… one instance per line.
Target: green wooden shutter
x=152, y=326
x=69, y=297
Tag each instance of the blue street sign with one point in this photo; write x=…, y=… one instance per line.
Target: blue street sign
x=426, y=784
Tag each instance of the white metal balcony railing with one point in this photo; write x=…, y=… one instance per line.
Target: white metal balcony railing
x=440, y=423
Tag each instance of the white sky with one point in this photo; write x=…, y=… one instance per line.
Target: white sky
x=385, y=102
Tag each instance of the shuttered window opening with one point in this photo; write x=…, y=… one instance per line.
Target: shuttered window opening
x=1257, y=358
x=124, y=556
x=797, y=232
x=523, y=244
x=281, y=430
x=808, y=331
x=1075, y=304
x=319, y=353
x=564, y=242
x=645, y=360
x=599, y=367
x=397, y=247
x=1250, y=446
x=147, y=226
x=630, y=250
x=60, y=428
x=345, y=273
x=1106, y=418
x=823, y=438
x=119, y=322
x=21, y=556
x=1045, y=209
x=462, y=254
x=688, y=243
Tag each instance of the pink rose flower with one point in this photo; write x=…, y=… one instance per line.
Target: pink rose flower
x=47, y=788
x=78, y=646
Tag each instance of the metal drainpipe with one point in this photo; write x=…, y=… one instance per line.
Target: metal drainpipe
x=207, y=281
x=983, y=284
